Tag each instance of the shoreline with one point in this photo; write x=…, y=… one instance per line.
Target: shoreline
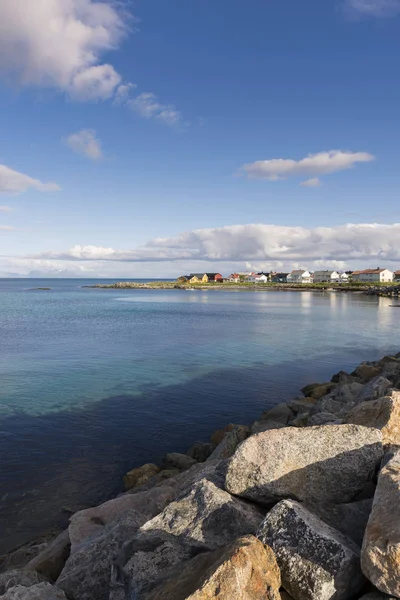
x=381, y=290
x=327, y=404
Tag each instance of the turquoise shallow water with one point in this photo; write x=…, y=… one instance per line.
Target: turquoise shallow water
x=94, y=382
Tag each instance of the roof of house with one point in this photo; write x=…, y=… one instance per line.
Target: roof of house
x=201, y=275
x=396, y=273
x=370, y=271
x=298, y=272
x=280, y=274
x=323, y=272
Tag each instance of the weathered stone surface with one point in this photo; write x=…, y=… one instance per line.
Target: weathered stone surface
x=380, y=557
x=175, y=460
x=339, y=400
x=218, y=435
x=383, y=414
x=350, y=519
x=205, y=519
x=200, y=451
x=23, y=577
x=280, y=414
x=40, y=591
x=51, y=560
x=301, y=420
x=86, y=575
x=318, y=390
x=321, y=419
x=20, y=557
x=227, y=447
x=316, y=561
x=377, y=387
x=286, y=596
x=366, y=372
x=259, y=426
x=140, y=475
x=90, y=521
x=303, y=405
x=323, y=464
x=245, y=570
x=342, y=377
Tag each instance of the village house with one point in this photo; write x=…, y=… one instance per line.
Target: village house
x=299, y=276
x=258, y=278
x=205, y=277
x=396, y=276
x=373, y=276
x=234, y=278
x=279, y=277
x=326, y=277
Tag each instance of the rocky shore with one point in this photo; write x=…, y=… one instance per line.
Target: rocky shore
x=302, y=504
x=379, y=290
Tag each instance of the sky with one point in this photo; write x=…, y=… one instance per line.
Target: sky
x=154, y=138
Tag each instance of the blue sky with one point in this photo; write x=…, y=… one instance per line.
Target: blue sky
x=147, y=138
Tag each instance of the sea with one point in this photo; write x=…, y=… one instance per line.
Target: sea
x=94, y=382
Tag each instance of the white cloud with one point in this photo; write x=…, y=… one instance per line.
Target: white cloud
x=85, y=142
x=146, y=105
x=362, y=244
x=314, y=182
x=374, y=8
x=13, y=182
x=7, y=228
x=313, y=165
x=60, y=43
x=5, y=209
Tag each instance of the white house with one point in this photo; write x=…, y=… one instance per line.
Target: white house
x=234, y=278
x=326, y=277
x=343, y=278
x=299, y=276
x=373, y=276
x=257, y=278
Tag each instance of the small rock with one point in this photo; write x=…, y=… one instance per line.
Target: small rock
x=318, y=390
x=200, y=451
x=383, y=414
x=259, y=426
x=342, y=377
x=175, y=460
x=316, y=561
x=218, y=435
x=327, y=464
x=22, y=577
x=40, y=591
x=322, y=418
x=303, y=405
x=140, y=475
x=280, y=414
x=51, y=560
x=227, y=447
x=245, y=570
x=377, y=387
x=301, y=420
x=380, y=557
x=366, y=372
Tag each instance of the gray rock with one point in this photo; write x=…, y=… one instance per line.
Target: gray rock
x=322, y=418
x=380, y=556
x=343, y=397
x=350, y=519
x=51, y=560
x=205, y=519
x=376, y=388
x=90, y=521
x=175, y=460
x=365, y=372
x=301, y=405
x=200, y=451
x=301, y=420
x=377, y=596
x=259, y=426
x=40, y=591
x=383, y=414
x=343, y=377
x=280, y=414
x=23, y=577
x=86, y=575
x=316, y=561
x=230, y=442
x=327, y=464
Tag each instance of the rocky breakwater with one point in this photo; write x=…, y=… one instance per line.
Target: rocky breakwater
x=302, y=504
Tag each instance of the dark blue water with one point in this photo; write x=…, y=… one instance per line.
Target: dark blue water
x=94, y=382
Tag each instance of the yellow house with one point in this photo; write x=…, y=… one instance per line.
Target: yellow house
x=198, y=278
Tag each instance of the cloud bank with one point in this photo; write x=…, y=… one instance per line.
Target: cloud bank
x=13, y=182
x=85, y=142
x=147, y=105
x=364, y=244
x=313, y=165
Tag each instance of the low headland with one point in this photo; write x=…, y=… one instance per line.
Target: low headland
x=303, y=503
x=388, y=290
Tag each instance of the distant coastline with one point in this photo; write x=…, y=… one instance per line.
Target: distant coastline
x=392, y=290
